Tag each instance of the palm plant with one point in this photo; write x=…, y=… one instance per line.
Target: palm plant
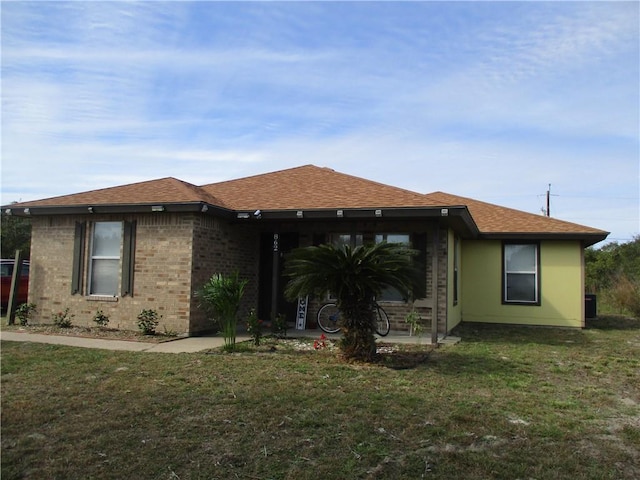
x=221, y=297
x=354, y=276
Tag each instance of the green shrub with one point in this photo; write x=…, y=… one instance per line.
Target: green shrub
x=63, y=319
x=254, y=327
x=101, y=319
x=415, y=323
x=279, y=325
x=148, y=321
x=24, y=311
x=221, y=297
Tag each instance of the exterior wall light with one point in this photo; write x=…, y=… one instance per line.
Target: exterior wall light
x=378, y=213
x=444, y=212
x=340, y=213
x=242, y=215
x=27, y=211
x=157, y=208
x=90, y=209
x=299, y=214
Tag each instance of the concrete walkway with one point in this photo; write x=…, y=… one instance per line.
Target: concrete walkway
x=187, y=344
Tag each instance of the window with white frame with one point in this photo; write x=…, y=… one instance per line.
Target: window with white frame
x=521, y=273
x=104, y=267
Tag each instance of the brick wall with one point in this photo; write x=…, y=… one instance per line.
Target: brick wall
x=220, y=247
x=175, y=254
x=161, y=274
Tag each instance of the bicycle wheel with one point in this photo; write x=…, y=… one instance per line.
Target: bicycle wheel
x=382, y=322
x=328, y=318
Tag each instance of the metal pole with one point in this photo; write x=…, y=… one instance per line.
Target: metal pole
x=549, y=201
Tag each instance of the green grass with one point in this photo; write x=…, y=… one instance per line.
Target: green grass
x=506, y=402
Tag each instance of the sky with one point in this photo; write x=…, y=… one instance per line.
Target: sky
x=489, y=100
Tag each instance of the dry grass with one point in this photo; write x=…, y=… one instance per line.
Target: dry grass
x=506, y=402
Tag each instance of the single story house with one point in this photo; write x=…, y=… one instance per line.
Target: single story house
x=151, y=245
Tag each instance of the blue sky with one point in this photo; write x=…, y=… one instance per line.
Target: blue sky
x=490, y=100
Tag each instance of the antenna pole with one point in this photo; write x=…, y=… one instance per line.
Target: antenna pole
x=549, y=201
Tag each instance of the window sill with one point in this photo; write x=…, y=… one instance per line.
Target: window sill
x=521, y=303
x=101, y=298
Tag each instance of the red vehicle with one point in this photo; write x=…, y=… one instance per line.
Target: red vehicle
x=6, y=268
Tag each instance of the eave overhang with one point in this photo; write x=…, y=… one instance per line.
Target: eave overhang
x=457, y=217
x=587, y=239
x=88, y=209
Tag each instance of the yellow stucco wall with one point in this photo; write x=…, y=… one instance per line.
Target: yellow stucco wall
x=561, y=290
x=454, y=310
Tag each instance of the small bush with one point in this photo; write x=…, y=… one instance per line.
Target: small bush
x=254, y=327
x=279, y=326
x=24, y=311
x=101, y=319
x=148, y=321
x=63, y=319
x=221, y=297
x=415, y=323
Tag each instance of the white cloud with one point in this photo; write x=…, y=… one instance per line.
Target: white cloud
x=479, y=99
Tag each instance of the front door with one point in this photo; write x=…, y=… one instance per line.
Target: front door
x=273, y=248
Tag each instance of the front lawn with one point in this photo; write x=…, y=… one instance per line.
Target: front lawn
x=506, y=402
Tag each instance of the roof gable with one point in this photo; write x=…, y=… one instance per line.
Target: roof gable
x=311, y=187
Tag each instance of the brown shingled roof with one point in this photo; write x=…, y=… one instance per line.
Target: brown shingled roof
x=314, y=188
x=311, y=187
x=164, y=190
x=494, y=219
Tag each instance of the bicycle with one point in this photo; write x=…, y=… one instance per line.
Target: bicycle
x=329, y=319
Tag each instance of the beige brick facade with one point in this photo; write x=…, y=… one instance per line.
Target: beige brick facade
x=175, y=254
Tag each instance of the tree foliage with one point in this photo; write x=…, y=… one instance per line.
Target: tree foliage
x=605, y=265
x=354, y=276
x=15, y=235
x=613, y=271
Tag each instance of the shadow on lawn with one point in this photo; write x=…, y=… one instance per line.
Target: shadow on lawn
x=519, y=335
x=453, y=363
x=613, y=322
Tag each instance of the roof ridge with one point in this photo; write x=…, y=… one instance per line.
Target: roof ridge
x=155, y=191
x=374, y=182
x=311, y=187
x=206, y=196
x=282, y=170
x=315, y=167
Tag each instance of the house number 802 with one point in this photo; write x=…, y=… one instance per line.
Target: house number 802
x=276, y=238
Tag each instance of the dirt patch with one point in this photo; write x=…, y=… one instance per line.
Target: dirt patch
x=90, y=332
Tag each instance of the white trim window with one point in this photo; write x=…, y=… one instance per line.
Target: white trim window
x=521, y=273
x=105, y=256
